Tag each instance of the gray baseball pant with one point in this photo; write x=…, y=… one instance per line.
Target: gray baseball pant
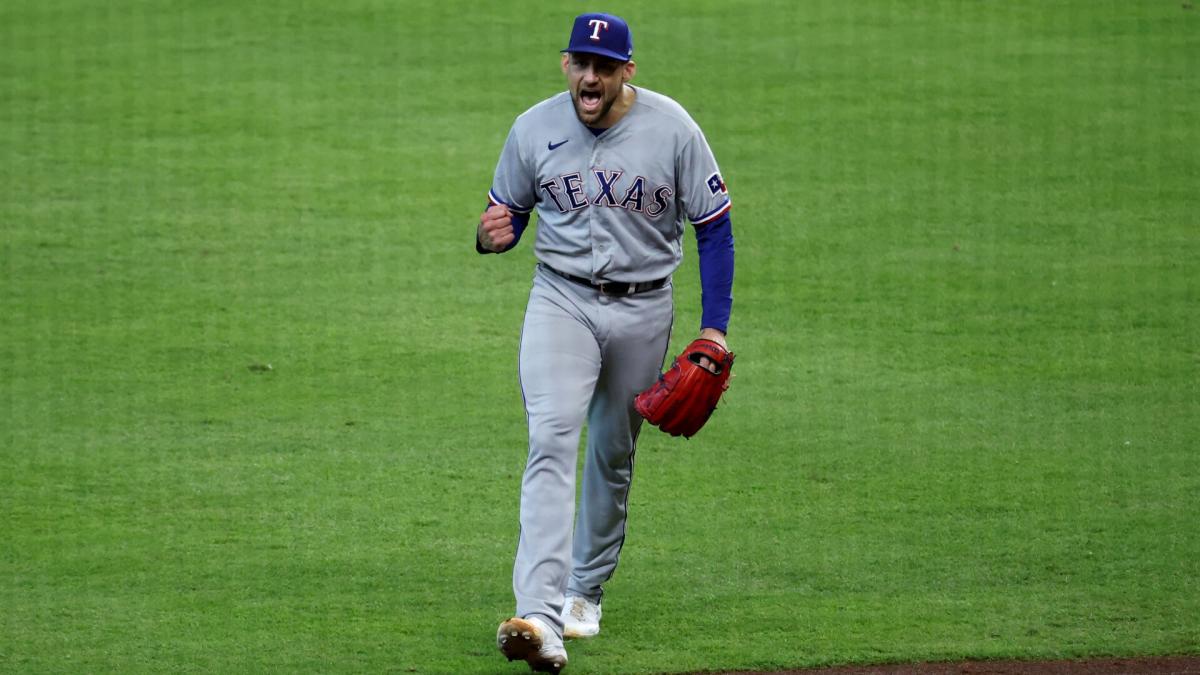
x=584, y=356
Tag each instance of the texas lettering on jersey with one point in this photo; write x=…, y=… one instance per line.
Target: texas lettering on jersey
x=567, y=192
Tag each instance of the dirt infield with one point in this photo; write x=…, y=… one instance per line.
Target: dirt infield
x=1166, y=665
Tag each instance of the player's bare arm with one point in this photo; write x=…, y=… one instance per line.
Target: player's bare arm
x=714, y=335
x=495, y=230
x=717, y=337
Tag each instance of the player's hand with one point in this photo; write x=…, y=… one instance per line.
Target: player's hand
x=495, y=230
x=717, y=337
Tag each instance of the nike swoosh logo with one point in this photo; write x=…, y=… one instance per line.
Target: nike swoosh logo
x=555, y=146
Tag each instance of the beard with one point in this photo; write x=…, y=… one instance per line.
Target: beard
x=591, y=118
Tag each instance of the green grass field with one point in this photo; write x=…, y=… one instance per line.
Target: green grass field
x=259, y=398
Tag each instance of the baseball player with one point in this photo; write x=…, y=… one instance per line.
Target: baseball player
x=613, y=171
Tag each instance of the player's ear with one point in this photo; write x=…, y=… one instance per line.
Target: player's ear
x=630, y=71
x=566, y=60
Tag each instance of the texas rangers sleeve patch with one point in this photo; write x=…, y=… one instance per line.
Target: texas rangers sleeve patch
x=715, y=184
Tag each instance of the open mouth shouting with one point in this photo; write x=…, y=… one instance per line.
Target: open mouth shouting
x=590, y=103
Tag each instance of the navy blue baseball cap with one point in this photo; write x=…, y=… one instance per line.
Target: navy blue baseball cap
x=603, y=34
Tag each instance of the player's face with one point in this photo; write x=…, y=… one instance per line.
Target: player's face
x=595, y=83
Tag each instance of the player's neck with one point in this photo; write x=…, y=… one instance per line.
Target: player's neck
x=621, y=106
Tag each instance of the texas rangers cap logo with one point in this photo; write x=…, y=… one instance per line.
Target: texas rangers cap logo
x=604, y=34
x=597, y=25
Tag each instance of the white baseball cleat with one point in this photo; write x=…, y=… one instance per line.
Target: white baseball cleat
x=581, y=617
x=532, y=641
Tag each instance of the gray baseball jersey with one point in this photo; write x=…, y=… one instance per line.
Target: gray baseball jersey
x=611, y=207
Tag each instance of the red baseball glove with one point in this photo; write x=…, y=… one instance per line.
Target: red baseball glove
x=685, y=396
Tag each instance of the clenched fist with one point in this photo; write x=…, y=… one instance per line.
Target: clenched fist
x=495, y=231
